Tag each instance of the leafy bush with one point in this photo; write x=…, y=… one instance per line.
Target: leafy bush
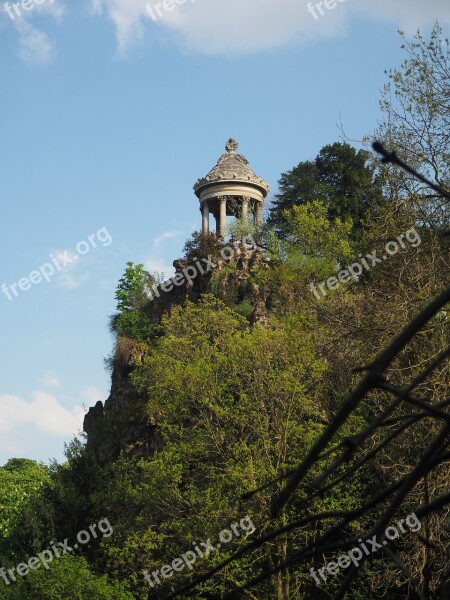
x=132, y=296
x=244, y=309
x=201, y=246
x=21, y=480
x=68, y=577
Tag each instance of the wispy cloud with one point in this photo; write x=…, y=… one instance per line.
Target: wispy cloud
x=158, y=264
x=50, y=380
x=96, y=7
x=92, y=395
x=127, y=16
x=167, y=235
x=68, y=277
x=71, y=281
x=34, y=44
x=155, y=265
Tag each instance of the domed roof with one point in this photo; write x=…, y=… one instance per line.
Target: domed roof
x=232, y=168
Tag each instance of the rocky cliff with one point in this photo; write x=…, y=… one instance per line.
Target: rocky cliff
x=121, y=424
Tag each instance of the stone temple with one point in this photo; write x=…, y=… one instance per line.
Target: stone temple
x=231, y=188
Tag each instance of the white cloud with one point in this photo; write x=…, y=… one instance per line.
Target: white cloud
x=12, y=445
x=50, y=380
x=96, y=7
x=43, y=413
x=66, y=277
x=70, y=281
x=34, y=45
x=157, y=265
x=408, y=14
x=243, y=26
x=127, y=17
x=54, y=8
x=92, y=395
x=167, y=235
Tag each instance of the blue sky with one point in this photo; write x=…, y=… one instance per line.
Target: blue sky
x=108, y=117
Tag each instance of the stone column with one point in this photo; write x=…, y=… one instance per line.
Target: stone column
x=258, y=215
x=205, y=218
x=223, y=217
x=245, y=201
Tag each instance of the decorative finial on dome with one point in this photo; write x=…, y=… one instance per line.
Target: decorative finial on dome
x=231, y=146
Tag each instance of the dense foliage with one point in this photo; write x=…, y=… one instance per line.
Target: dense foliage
x=132, y=294
x=237, y=404
x=340, y=176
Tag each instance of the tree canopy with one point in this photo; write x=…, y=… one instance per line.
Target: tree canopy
x=240, y=382
x=340, y=177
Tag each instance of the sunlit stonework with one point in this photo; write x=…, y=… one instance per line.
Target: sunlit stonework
x=231, y=188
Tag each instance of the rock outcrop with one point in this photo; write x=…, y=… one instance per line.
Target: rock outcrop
x=122, y=424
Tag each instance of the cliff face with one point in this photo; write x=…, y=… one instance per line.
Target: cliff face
x=121, y=424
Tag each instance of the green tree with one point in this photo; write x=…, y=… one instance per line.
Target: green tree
x=236, y=407
x=133, y=286
x=67, y=577
x=416, y=123
x=313, y=243
x=22, y=482
x=132, y=295
x=340, y=177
